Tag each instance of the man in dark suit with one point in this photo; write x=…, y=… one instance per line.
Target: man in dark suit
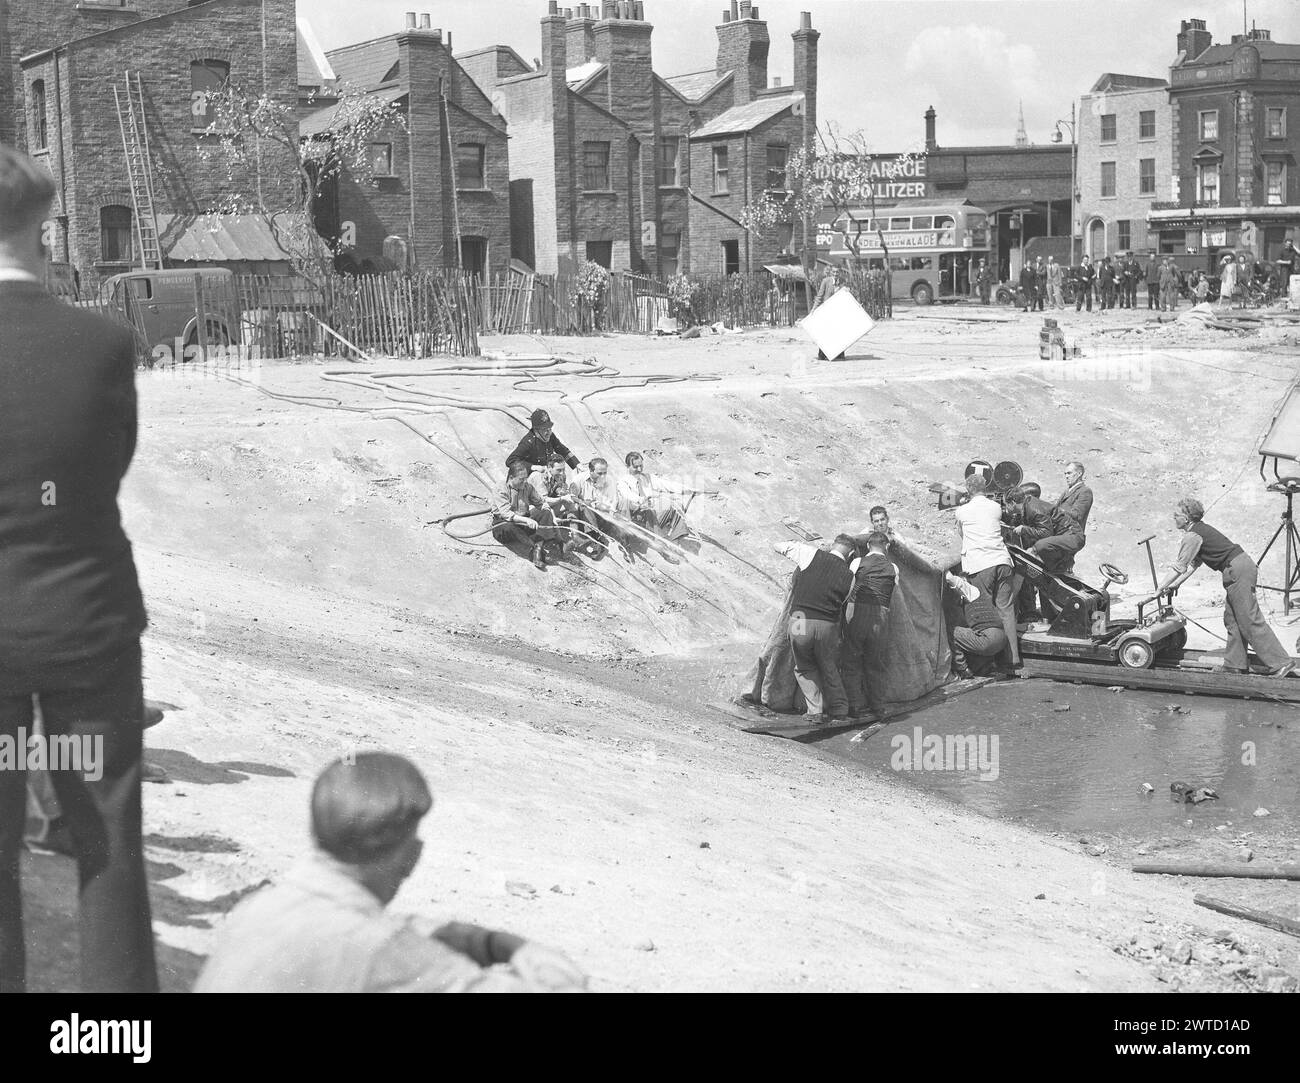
x=1083, y=280
x=71, y=614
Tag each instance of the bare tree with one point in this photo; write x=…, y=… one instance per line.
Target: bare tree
x=248, y=128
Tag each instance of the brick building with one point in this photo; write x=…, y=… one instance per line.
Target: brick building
x=1024, y=188
x=63, y=92
x=439, y=185
x=612, y=162
x=1235, y=116
x=1124, y=162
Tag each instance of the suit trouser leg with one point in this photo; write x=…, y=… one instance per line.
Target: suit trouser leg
x=15, y=714
x=976, y=650
x=855, y=660
x=997, y=585
x=806, y=674
x=104, y=817
x=1244, y=621
x=826, y=650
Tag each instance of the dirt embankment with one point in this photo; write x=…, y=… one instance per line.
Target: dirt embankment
x=302, y=605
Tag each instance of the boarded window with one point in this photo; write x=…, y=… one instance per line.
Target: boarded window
x=1124, y=234
x=1107, y=178
x=39, y=131
x=115, y=234
x=595, y=167
x=471, y=159
x=1210, y=124
x=207, y=77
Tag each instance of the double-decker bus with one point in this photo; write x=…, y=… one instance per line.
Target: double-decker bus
x=933, y=249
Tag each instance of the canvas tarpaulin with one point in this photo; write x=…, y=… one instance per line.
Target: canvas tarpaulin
x=915, y=658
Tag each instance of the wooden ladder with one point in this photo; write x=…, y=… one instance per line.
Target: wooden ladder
x=139, y=167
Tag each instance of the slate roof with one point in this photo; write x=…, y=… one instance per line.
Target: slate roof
x=745, y=118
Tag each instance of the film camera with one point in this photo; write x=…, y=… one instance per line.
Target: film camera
x=1001, y=478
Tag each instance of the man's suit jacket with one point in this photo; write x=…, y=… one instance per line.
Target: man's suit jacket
x=69, y=595
x=1076, y=502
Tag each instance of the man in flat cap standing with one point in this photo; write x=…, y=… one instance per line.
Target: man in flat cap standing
x=541, y=443
x=323, y=927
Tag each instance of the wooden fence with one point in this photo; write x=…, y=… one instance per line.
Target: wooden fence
x=442, y=312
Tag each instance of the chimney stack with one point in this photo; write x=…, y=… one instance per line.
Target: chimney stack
x=930, y=142
x=742, y=50
x=805, y=71
x=1193, y=38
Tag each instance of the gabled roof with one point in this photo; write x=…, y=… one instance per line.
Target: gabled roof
x=366, y=63
x=319, y=121
x=1268, y=50
x=697, y=84
x=1115, y=81
x=313, y=65
x=747, y=117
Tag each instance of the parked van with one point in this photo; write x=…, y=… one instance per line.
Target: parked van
x=164, y=307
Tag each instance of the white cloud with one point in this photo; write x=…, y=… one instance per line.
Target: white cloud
x=977, y=76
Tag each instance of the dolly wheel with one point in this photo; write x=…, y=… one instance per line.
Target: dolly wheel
x=1136, y=654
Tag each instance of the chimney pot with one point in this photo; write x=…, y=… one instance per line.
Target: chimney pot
x=776, y=80
x=410, y=20
x=805, y=20
x=735, y=10
x=553, y=7
x=753, y=13
x=726, y=16
x=744, y=8
x=426, y=21
x=448, y=39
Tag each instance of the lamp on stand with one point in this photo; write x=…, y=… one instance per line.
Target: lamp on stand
x=1283, y=442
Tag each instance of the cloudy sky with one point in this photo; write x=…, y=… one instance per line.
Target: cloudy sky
x=881, y=62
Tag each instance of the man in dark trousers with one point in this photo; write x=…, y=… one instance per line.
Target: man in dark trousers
x=1132, y=276
x=541, y=443
x=1027, y=280
x=821, y=587
x=1046, y=531
x=866, y=617
x=1083, y=279
x=1106, y=283
x=72, y=614
x=1153, y=282
x=980, y=638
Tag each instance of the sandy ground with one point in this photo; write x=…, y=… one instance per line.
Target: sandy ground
x=301, y=606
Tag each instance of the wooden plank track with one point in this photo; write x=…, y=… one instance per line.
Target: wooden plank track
x=793, y=727
x=1199, y=681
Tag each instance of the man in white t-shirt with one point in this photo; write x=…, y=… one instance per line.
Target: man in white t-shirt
x=984, y=558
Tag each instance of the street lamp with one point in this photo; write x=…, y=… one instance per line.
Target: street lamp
x=1074, y=153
